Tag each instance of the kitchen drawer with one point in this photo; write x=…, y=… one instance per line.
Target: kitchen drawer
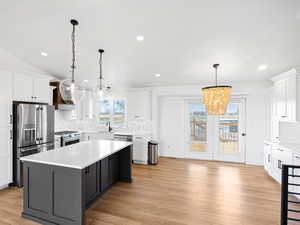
x=285, y=156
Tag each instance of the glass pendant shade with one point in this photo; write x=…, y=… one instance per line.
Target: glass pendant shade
x=216, y=99
x=103, y=93
x=70, y=91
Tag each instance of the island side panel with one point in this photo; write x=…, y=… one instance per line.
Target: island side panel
x=53, y=194
x=126, y=164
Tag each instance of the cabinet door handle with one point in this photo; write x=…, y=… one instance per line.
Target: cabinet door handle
x=283, y=116
x=269, y=158
x=279, y=164
x=10, y=134
x=297, y=157
x=10, y=119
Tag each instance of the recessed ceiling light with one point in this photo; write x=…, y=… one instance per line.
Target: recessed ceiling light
x=44, y=54
x=262, y=67
x=140, y=38
x=157, y=75
x=85, y=81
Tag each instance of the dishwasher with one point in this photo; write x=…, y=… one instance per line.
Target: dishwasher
x=123, y=137
x=139, y=149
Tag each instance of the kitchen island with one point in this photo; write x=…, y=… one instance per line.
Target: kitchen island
x=60, y=184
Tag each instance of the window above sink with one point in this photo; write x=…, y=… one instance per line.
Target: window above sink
x=112, y=110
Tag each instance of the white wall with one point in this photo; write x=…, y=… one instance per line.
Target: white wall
x=171, y=126
x=168, y=112
x=11, y=63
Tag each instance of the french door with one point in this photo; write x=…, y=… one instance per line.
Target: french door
x=215, y=137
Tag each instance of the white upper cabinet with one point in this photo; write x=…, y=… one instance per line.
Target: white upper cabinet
x=138, y=105
x=31, y=89
x=41, y=89
x=285, y=96
x=23, y=88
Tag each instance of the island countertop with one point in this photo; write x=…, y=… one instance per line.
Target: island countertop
x=78, y=156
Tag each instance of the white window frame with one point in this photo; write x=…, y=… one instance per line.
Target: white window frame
x=111, y=103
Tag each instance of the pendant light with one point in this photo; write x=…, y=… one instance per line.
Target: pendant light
x=103, y=92
x=216, y=98
x=70, y=91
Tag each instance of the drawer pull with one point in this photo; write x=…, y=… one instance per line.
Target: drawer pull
x=279, y=164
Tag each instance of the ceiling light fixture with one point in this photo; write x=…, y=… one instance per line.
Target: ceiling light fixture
x=140, y=38
x=157, y=75
x=216, y=98
x=85, y=81
x=262, y=67
x=44, y=54
x=69, y=90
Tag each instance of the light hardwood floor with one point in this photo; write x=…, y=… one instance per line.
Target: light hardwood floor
x=177, y=192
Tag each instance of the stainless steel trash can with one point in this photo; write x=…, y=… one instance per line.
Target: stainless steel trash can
x=152, y=152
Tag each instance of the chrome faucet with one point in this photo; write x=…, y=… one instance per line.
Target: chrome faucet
x=109, y=127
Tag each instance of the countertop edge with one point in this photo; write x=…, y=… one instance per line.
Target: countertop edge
x=24, y=159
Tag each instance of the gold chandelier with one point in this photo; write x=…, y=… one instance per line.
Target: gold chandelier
x=216, y=98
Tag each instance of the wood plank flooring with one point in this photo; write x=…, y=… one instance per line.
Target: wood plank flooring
x=177, y=192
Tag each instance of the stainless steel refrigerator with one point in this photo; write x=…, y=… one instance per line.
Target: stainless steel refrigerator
x=33, y=132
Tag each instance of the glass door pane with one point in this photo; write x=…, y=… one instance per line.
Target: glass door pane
x=229, y=130
x=198, y=127
x=230, y=144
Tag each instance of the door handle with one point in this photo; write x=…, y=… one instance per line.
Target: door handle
x=244, y=134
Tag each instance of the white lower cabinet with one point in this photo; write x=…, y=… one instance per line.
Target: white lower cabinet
x=268, y=157
x=5, y=157
x=6, y=171
x=275, y=157
x=280, y=156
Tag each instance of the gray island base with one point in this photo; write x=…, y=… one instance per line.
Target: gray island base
x=55, y=192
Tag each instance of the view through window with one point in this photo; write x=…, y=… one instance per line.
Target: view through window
x=113, y=111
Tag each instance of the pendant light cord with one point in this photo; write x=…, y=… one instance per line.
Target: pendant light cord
x=101, y=51
x=216, y=76
x=100, y=66
x=74, y=23
x=73, y=53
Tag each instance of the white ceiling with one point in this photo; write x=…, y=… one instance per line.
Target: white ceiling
x=183, y=38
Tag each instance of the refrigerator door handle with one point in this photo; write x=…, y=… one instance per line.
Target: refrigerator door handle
x=41, y=124
x=35, y=126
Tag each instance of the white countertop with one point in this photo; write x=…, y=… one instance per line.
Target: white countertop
x=295, y=147
x=80, y=155
x=291, y=147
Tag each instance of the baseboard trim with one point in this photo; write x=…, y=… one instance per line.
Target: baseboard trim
x=3, y=187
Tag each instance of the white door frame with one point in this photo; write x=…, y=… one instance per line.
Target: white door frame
x=242, y=138
x=208, y=155
x=213, y=135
